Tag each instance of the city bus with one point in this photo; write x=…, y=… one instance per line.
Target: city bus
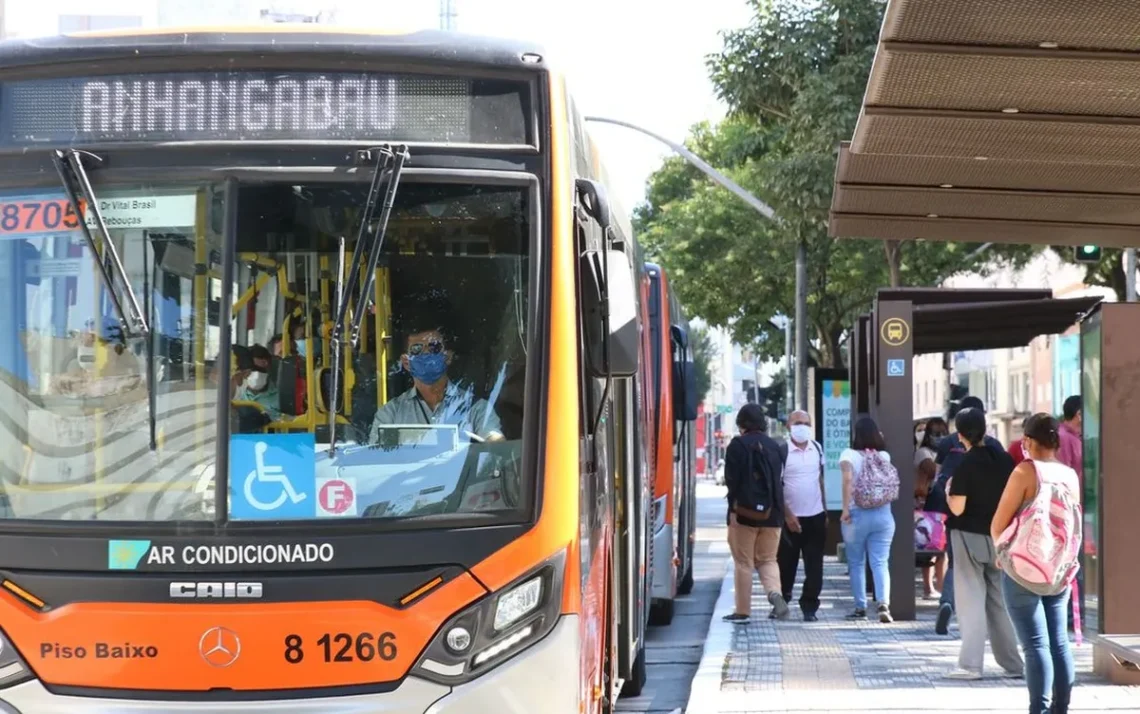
x=674, y=412
x=324, y=380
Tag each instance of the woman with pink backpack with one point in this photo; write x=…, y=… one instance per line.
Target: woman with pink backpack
x=1037, y=533
x=870, y=485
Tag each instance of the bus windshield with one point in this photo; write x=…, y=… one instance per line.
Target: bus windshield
x=82, y=435
x=429, y=414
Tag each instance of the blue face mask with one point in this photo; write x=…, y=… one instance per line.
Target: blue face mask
x=428, y=368
x=301, y=350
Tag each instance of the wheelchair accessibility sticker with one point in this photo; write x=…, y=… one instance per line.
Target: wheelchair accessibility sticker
x=272, y=476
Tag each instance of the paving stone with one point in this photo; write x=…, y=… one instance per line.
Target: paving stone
x=845, y=666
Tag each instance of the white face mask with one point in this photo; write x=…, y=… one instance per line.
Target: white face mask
x=801, y=433
x=257, y=381
x=919, y=436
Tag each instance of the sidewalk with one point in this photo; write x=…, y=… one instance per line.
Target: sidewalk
x=838, y=666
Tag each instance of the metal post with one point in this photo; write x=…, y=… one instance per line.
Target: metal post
x=1130, y=273
x=801, y=326
x=764, y=209
x=756, y=379
x=789, y=374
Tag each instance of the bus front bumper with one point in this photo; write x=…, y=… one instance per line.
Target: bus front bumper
x=542, y=678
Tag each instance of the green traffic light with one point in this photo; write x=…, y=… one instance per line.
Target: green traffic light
x=1088, y=253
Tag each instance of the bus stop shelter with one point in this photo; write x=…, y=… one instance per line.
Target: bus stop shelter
x=1010, y=121
x=905, y=323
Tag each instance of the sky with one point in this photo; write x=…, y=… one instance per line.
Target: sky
x=636, y=60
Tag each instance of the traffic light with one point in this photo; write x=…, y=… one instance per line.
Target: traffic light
x=958, y=392
x=1087, y=253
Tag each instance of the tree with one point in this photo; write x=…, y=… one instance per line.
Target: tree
x=794, y=82
x=704, y=354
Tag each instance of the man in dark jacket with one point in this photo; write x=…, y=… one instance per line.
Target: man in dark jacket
x=754, y=475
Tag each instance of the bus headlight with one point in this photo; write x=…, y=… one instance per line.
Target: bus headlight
x=13, y=669
x=496, y=627
x=518, y=602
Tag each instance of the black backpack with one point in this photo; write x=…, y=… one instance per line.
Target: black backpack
x=755, y=495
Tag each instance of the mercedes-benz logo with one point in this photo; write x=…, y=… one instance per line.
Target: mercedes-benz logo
x=219, y=646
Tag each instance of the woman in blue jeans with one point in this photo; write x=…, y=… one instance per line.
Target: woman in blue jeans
x=1040, y=621
x=867, y=532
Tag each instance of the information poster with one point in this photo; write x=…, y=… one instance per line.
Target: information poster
x=836, y=410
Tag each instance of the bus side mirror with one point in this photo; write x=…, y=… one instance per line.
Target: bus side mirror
x=615, y=354
x=684, y=376
x=593, y=199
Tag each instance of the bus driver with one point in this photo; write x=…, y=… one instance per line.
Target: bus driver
x=434, y=398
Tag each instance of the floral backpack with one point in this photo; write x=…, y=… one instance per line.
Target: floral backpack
x=877, y=482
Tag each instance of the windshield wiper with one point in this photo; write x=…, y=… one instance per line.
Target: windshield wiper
x=69, y=164
x=371, y=231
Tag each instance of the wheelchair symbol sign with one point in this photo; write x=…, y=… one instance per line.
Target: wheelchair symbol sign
x=272, y=476
x=896, y=368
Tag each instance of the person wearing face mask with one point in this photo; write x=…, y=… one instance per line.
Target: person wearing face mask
x=926, y=440
x=434, y=398
x=253, y=384
x=805, y=517
x=118, y=360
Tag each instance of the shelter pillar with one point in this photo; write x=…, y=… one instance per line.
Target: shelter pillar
x=1110, y=388
x=894, y=351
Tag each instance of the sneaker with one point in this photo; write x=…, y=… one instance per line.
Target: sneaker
x=779, y=605
x=885, y=613
x=736, y=619
x=964, y=674
x=858, y=613
x=811, y=617
x=942, y=624
x=1012, y=675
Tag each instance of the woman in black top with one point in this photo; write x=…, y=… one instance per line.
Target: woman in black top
x=974, y=492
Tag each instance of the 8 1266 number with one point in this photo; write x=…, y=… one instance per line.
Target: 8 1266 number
x=343, y=647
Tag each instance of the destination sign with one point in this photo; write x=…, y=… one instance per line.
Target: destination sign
x=263, y=106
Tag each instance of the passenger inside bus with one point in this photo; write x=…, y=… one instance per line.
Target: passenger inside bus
x=253, y=385
x=434, y=398
x=85, y=368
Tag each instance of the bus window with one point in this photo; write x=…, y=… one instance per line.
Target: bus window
x=91, y=440
x=431, y=419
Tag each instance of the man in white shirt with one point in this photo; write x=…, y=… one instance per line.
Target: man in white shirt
x=805, y=528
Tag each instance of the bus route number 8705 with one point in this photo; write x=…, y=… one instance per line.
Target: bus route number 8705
x=343, y=647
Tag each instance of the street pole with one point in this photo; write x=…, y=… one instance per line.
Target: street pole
x=763, y=208
x=766, y=211
x=1130, y=273
x=801, y=326
x=789, y=374
x=756, y=378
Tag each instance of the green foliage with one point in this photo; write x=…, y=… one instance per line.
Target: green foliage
x=704, y=354
x=794, y=82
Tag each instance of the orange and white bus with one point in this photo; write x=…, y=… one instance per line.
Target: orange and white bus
x=673, y=463
x=409, y=471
